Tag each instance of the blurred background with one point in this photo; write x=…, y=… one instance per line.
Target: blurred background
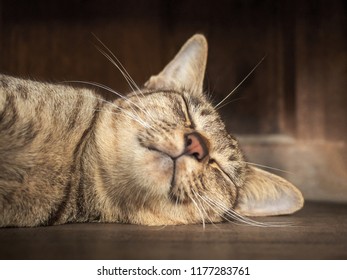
x=291, y=113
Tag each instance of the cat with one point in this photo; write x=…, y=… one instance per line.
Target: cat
x=160, y=155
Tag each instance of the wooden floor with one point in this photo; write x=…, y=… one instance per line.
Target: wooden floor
x=319, y=231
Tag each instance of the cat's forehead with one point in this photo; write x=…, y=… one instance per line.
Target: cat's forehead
x=162, y=96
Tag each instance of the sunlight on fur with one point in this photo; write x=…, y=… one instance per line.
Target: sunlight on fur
x=159, y=155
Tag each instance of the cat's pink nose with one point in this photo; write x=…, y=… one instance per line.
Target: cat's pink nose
x=196, y=146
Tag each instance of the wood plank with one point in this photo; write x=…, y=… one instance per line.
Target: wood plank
x=319, y=231
x=321, y=65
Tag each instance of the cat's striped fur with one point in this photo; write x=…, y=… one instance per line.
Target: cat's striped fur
x=159, y=156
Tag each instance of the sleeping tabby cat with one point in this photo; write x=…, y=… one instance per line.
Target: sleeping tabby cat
x=158, y=156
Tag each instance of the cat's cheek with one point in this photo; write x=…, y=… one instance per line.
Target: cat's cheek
x=158, y=169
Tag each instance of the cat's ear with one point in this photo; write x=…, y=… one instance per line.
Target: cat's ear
x=186, y=70
x=265, y=194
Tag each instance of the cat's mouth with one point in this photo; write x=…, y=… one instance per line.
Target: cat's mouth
x=178, y=175
x=169, y=160
x=175, y=167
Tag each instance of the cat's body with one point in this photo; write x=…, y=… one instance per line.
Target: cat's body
x=159, y=156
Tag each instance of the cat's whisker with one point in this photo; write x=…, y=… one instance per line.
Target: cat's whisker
x=109, y=90
x=119, y=65
x=201, y=206
x=126, y=113
x=132, y=117
x=244, y=79
x=115, y=61
x=199, y=210
x=218, y=210
x=245, y=220
x=197, y=195
x=135, y=92
x=135, y=118
x=269, y=167
x=126, y=77
x=161, y=228
x=145, y=124
x=231, y=101
x=207, y=202
x=256, y=223
x=234, y=215
x=123, y=111
x=174, y=198
x=176, y=203
x=223, y=208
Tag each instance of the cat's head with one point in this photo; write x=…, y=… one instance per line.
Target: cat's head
x=174, y=161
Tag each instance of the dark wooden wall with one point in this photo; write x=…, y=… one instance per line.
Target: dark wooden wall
x=299, y=90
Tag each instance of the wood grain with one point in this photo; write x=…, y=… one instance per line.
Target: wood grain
x=319, y=231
